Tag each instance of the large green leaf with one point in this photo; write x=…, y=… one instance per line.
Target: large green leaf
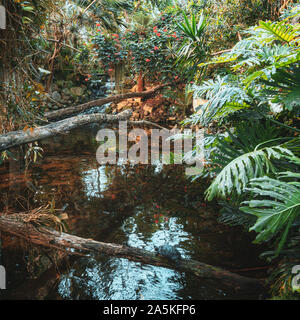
x=237, y=173
x=276, y=205
x=224, y=95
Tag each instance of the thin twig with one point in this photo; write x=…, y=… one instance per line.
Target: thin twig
x=64, y=44
x=86, y=9
x=219, y=52
x=145, y=122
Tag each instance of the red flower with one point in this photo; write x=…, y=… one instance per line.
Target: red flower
x=176, y=77
x=158, y=34
x=156, y=48
x=86, y=79
x=110, y=69
x=98, y=30
x=115, y=35
x=148, y=60
x=133, y=58
x=156, y=221
x=165, y=30
x=133, y=33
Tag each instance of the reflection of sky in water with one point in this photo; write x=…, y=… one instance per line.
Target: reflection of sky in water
x=116, y=278
x=96, y=181
x=120, y=279
x=173, y=234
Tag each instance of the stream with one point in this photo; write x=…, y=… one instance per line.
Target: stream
x=137, y=205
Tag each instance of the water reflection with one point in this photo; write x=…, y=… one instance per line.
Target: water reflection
x=96, y=181
x=141, y=206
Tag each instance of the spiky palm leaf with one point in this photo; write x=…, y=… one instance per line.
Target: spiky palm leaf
x=193, y=49
x=276, y=206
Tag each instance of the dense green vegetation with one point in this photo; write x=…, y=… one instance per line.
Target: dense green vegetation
x=253, y=103
x=241, y=57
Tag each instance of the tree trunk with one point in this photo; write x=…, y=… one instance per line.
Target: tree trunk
x=140, y=82
x=43, y=236
x=15, y=138
x=116, y=98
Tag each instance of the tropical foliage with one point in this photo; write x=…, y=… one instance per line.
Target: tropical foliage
x=243, y=59
x=251, y=115
x=144, y=45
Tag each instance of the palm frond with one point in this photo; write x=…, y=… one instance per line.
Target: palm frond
x=270, y=31
x=233, y=216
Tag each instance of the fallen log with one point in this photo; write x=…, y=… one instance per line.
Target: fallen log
x=51, y=115
x=76, y=245
x=15, y=138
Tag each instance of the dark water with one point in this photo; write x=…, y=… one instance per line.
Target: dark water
x=141, y=206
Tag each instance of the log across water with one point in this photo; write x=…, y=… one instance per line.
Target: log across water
x=51, y=115
x=15, y=138
x=76, y=245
